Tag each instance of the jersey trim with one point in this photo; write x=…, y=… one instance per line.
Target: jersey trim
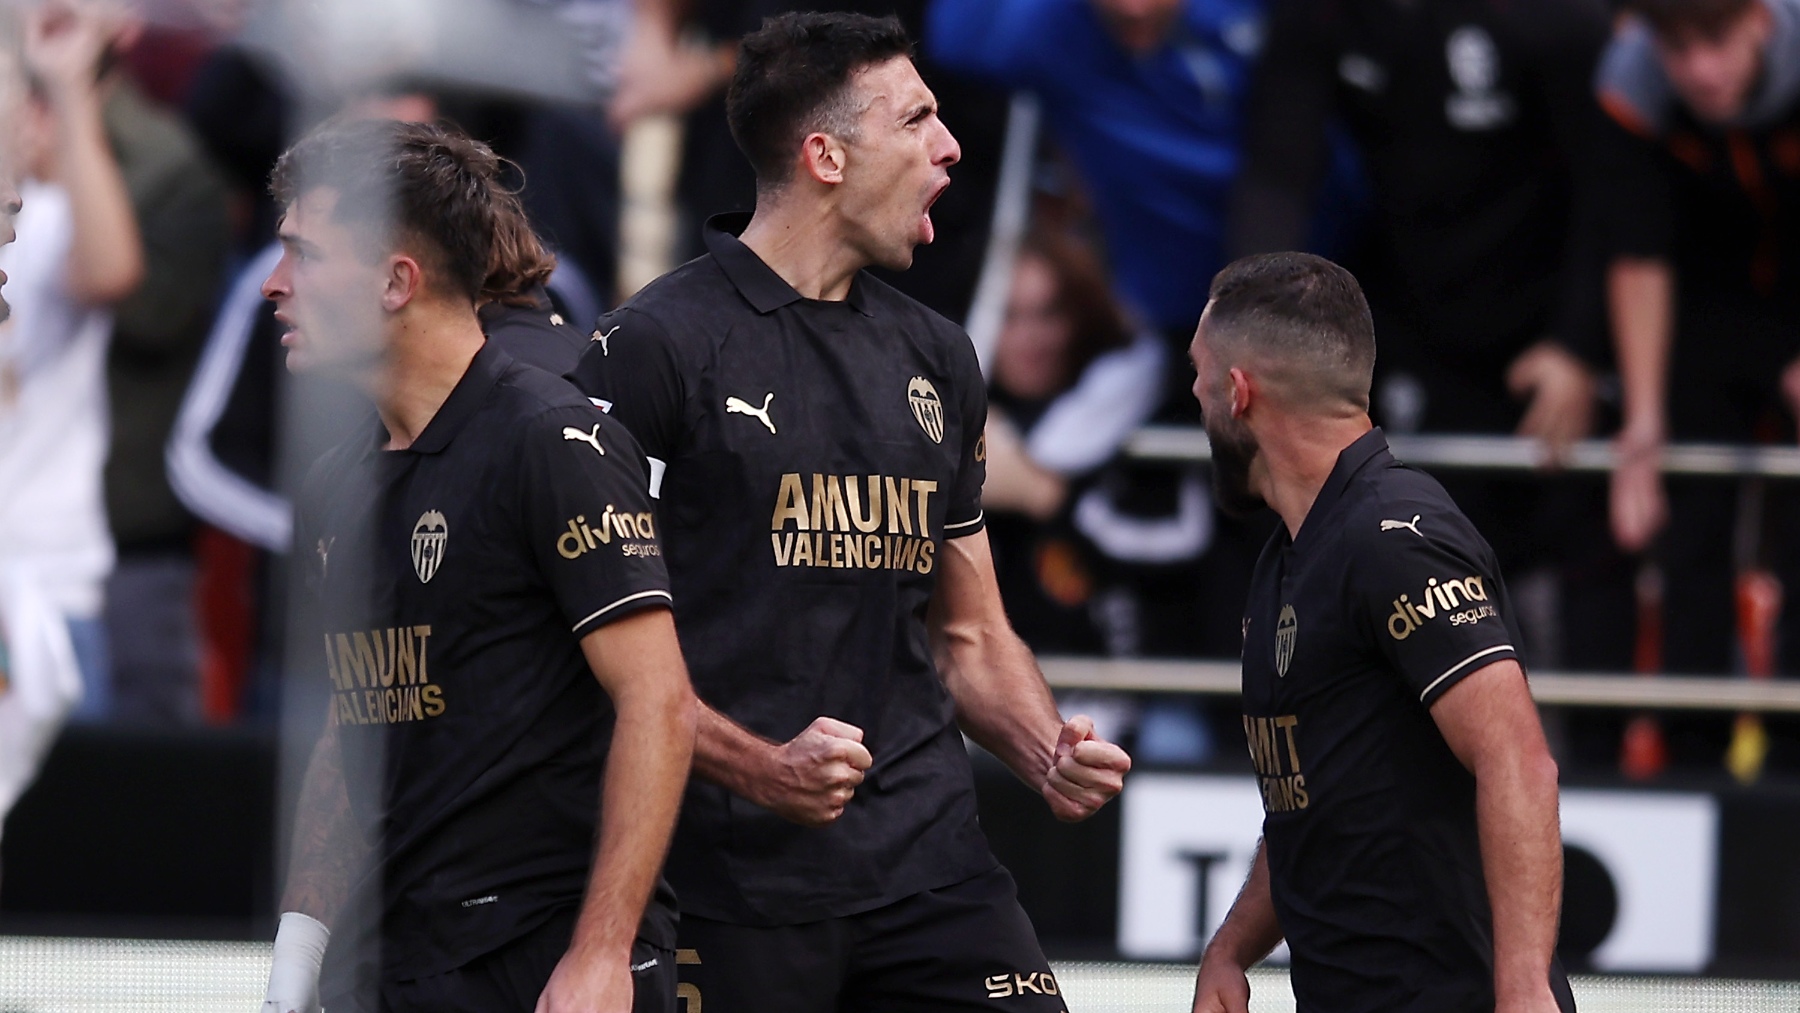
x=979, y=517
x=622, y=601
x=1459, y=666
x=657, y=467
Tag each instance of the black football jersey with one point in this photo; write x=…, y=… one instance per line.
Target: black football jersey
x=455, y=579
x=811, y=458
x=1387, y=598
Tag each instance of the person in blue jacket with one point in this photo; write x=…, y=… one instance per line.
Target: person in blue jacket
x=1146, y=97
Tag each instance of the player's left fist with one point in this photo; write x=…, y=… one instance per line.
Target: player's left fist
x=1085, y=772
x=587, y=983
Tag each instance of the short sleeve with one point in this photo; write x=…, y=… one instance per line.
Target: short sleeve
x=631, y=372
x=964, y=516
x=586, y=514
x=1431, y=596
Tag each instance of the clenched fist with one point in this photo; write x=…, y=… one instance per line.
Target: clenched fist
x=815, y=773
x=1085, y=772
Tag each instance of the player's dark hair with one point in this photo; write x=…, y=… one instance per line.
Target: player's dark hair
x=520, y=261
x=428, y=186
x=793, y=78
x=1673, y=17
x=1301, y=315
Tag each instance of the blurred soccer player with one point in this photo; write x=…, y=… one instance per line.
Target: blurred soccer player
x=1410, y=852
x=453, y=548
x=817, y=441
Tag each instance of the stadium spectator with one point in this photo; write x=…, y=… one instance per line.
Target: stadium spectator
x=39, y=680
x=178, y=201
x=81, y=255
x=1147, y=100
x=1069, y=385
x=1703, y=232
x=1476, y=125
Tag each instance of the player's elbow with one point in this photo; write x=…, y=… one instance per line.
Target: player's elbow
x=1544, y=771
x=1528, y=768
x=661, y=703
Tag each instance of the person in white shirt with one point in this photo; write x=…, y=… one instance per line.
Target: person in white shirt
x=79, y=252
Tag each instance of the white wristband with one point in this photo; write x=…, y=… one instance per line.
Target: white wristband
x=294, y=970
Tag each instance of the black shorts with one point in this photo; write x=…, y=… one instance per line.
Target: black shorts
x=510, y=979
x=963, y=947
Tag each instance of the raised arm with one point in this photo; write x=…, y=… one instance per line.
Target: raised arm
x=1249, y=932
x=64, y=44
x=1491, y=724
x=661, y=72
x=1002, y=701
x=638, y=661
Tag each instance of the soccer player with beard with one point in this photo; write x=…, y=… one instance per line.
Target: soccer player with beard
x=1411, y=855
x=817, y=441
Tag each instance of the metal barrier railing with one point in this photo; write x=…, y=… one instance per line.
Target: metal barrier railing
x=1506, y=453
x=1556, y=689
x=1188, y=444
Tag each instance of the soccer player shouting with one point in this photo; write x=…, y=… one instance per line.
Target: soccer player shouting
x=816, y=437
x=481, y=558
x=1410, y=852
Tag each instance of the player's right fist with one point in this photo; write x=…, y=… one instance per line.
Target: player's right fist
x=294, y=970
x=816, y=772
x=1221, y=987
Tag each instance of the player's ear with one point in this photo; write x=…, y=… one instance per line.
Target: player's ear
x=1242, y=390
x=822, y=156
x=403, y=282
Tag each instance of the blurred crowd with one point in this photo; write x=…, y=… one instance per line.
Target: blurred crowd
x=1572, y=220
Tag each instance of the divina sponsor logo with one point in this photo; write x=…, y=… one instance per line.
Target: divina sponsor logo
x=583, y=537
x=1439, y=598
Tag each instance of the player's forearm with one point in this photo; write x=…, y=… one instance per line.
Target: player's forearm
x=106, y=253
x=646, y=770
x=1250, y=929
x=1002, y=701
x=1521, y=856
x=1640, y=296
x=328, y=850
x=728, y=754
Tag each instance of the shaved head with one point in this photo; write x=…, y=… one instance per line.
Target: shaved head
x=1300, y=324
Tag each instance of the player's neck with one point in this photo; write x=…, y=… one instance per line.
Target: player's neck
x=804, y=244
x=1296, y=459
x=428, y=353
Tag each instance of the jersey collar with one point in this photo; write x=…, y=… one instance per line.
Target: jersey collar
x=465, y=399
x=1370, y=446
x=756, y=281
